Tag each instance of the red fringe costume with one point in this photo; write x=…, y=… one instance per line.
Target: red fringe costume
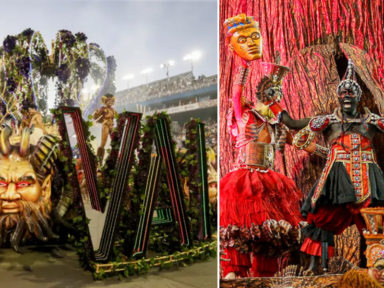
x=259, y=208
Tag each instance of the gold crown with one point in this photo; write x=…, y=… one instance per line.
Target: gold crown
x=238, y=22
x=374, y=253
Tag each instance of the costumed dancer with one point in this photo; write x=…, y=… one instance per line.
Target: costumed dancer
x=36, y=121
x=259, y=208
x=105, y=116
x=351, y=179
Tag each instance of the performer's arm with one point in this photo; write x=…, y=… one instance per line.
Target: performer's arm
x=293, y=123
x=98, y=113
x=312, y=148
x=38, y=119
x=238, y=105
x=271, y=99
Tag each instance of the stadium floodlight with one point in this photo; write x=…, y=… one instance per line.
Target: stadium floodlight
x=146, y=72
x=192, y=57
x=167, y=65
x=127, y=78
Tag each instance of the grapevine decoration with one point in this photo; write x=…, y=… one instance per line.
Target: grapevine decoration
x=71, y=59
x=26, y=65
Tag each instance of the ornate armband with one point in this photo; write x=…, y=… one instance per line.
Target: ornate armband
x=318, y=124
x=303, y=138
x=377, y=121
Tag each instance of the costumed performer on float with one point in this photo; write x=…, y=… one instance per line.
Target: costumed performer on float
x=105, y=116
x=351, y=179
x=259, y=208
x=36, y=121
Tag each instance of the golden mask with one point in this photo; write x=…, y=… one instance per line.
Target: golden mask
x=244, y=37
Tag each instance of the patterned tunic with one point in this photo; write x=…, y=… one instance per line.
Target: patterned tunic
x=356, y=154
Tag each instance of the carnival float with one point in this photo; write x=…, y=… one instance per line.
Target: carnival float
x=306, y=214
x=55, y=189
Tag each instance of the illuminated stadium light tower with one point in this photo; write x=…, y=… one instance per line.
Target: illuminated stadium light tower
x=127, y=78
x=146, y=72
x=167, y=65
x=191, y=57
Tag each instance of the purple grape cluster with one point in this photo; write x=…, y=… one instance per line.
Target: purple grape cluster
x=81, y=37
x=67, y=38
x=28, y=32
x=9, y=43
x=23, y=65
x=83, y=67
x=11, y=85
x=63, y=73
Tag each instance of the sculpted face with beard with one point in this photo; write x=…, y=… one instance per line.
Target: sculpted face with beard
x=25, y=202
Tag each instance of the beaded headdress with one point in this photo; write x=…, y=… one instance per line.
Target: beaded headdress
x=241, y=21
x=349, y=81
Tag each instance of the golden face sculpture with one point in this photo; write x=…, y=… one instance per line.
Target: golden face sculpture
x=377, y=271
x=247, y=43
x=25, y=187
x=19, y=183
x=108, y=101
x=375, y=262
x=244, y=37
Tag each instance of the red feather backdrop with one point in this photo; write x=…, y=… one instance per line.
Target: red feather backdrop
x=315, y=38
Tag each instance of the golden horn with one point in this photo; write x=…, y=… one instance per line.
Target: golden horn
x=24, y=142
x=5, y=145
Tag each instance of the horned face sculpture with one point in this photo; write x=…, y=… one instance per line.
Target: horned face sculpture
x=25, y=187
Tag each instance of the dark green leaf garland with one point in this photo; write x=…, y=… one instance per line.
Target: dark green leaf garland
x=80, y=221
x=193, y=175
